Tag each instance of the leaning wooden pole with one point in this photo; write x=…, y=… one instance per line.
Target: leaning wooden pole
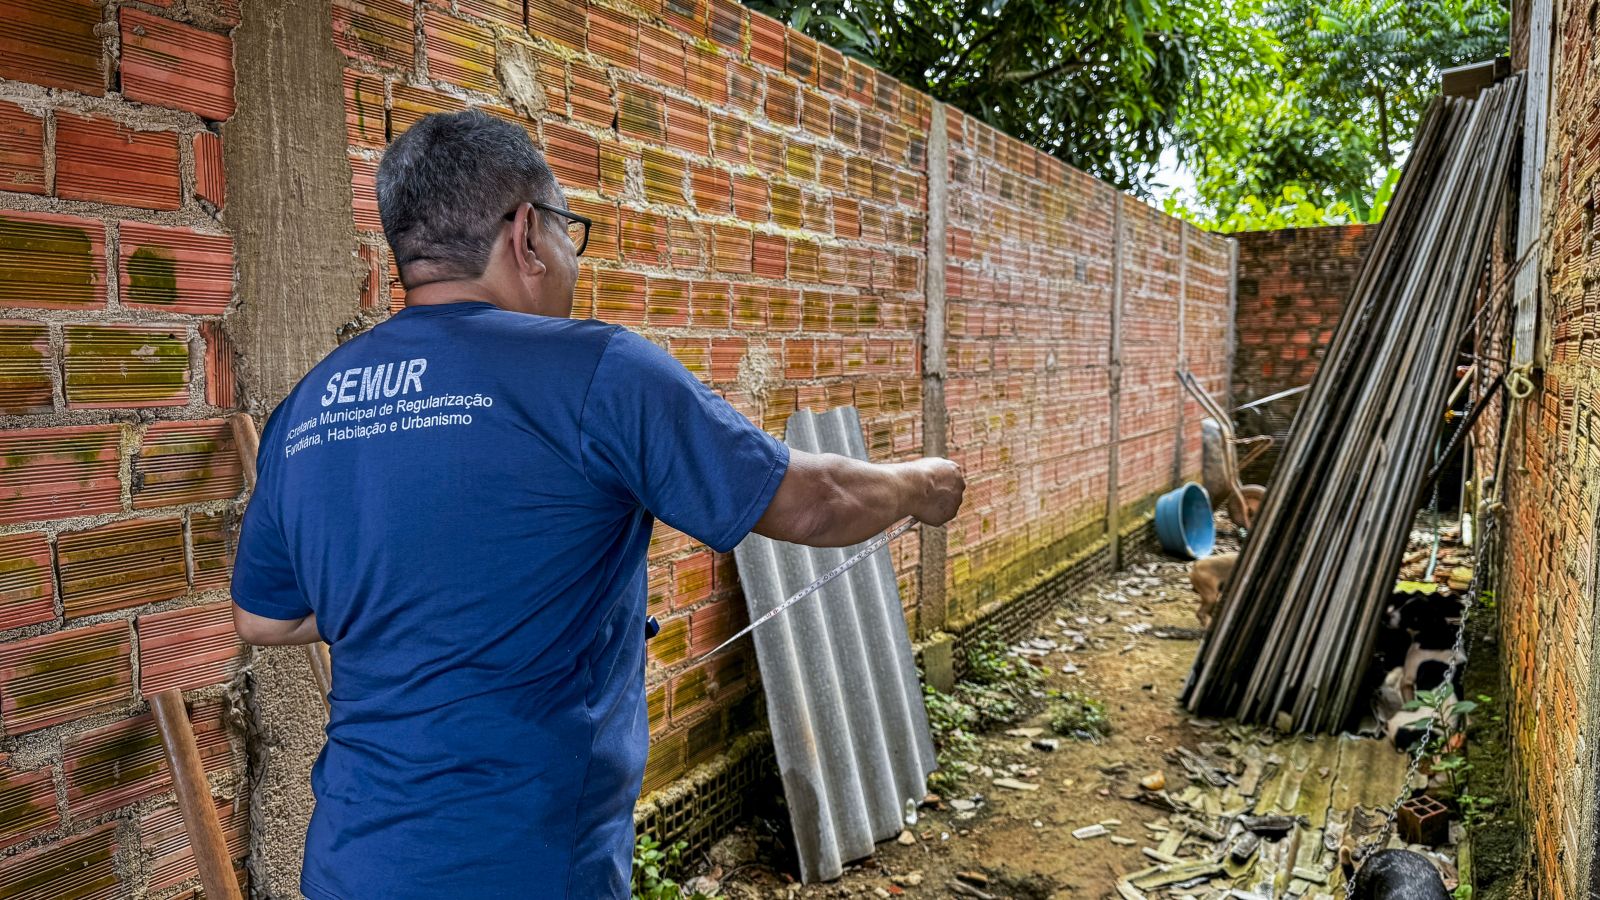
x=248, y=441
x=194, y=797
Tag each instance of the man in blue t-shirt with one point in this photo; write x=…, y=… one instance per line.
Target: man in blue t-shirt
x=460, y=503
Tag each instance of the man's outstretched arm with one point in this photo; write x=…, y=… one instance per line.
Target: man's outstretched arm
x=826, y=500
x=264, y=632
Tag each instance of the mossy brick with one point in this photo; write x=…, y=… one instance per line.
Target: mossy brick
x=656, y=700
x=583, y=293
x=121, y=564
x=210, y=181
x=104, y=161
x=116, y=765
x=620, y=298
x=27, y=590
x=694, y=354
x=671, y=644
x=210, y=551
x=816, y=113
x=688, y=16
x=379, y=31
x=52, y=43
x=705, y=740
x=221, y=384
x=174, y=269
x=666, y=302
x=119, y=366
x=641, y=113
x=409, y=103
x=165, y=63
x=187, y=648
x=644, y=238
x=459, y=52
x=690, y=692
x=165, y=841
x=830, y=70
x=731, y=248
x=573, y=155
x=786, y=204
x=800, y=161
x=689, y=244
x=750, y=200
x=709, y=303
x=665, y=764
x=53, y=678
x=783, y=102
x=26, y=365
x=51, y=261
x=767, y=151
x=664, y=174
x=186, y=462
x=691, y=579
x=750, y=307
x=55, y=473
x=614, y=162
x=562, y=21
x=81, y=867
x=21, y=150
x=614, y=37
x=27, y=803
x=500, y=12
x=706, y=74
x=730, y=140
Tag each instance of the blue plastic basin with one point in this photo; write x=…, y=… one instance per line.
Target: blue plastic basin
x=1183, y=522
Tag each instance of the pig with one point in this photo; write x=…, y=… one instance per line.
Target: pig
x=1209, y=576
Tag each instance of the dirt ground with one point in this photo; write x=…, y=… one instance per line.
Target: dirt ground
x=1019, y=841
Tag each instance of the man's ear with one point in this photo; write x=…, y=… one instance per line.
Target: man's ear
x=525, y=234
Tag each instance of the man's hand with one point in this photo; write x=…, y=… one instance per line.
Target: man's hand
x=827, y=500
x=946, y=484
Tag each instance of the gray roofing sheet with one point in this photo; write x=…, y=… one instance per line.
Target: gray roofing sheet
x=843, y=696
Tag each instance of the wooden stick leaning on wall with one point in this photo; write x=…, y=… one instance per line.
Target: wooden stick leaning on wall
x=195, y=805
x=248, y=441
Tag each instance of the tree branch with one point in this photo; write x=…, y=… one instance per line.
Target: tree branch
x=1026, y=77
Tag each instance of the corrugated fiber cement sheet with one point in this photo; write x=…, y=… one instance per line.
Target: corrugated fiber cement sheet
x=843, y=696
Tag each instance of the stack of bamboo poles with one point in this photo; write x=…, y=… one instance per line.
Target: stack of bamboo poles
x=1302, y=611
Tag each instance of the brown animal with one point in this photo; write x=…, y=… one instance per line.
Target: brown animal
x=1209, y=576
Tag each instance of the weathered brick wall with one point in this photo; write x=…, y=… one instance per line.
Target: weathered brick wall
x=118, y=475
x=1548, y=598
x=759, y=204
x=1293, y=284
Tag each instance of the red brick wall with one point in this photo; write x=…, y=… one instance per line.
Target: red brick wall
x=1548, y=598
x=1293, y=284
x=762, y=210
x=118, y=475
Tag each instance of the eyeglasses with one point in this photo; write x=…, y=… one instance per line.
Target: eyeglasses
x=577, y=226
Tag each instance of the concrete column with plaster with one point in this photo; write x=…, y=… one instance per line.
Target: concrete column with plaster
x=289, y=204
x=935, y=541
x=1183, y=359
x=1114, y=371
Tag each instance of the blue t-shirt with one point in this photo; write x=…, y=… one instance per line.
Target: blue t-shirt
x=464, y=496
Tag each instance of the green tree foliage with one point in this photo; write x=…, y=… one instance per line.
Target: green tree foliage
x=1277, y=107
x=1346, y=91
x=1101, y=84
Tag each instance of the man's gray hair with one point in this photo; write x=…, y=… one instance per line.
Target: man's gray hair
x=445, y=186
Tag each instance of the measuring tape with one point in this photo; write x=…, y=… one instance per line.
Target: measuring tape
x=871, y=548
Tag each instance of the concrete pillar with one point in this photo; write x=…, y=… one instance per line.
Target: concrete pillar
x=1183, y=360
x=1113, y=505
x=289, y=205
x=934, y=607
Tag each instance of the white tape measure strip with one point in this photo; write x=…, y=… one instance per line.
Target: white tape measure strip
x=871, y=548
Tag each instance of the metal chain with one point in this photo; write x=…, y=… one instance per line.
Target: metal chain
x=1457, y=657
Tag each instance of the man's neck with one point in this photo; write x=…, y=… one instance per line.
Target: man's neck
x=455, y=290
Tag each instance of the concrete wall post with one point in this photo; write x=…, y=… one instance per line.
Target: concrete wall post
x=1183, y=359
x=1114, y=371
x=298, y=283
x=935, y=541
